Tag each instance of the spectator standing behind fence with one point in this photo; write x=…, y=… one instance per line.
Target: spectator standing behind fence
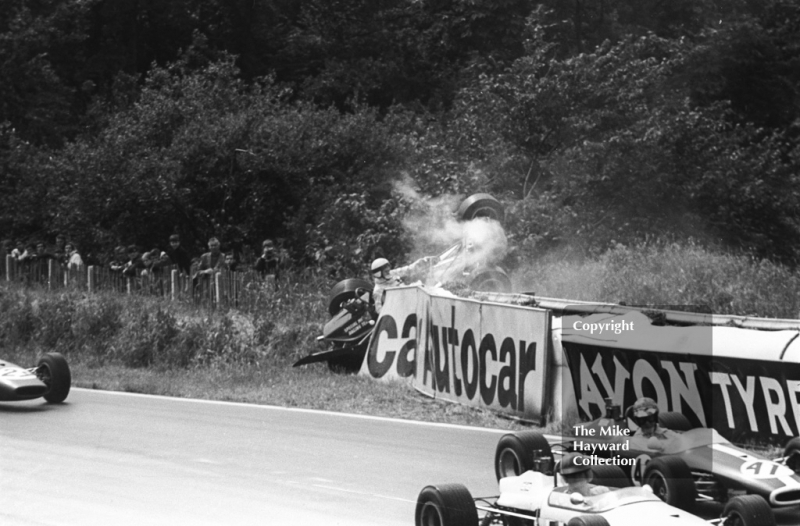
x=74, y=260
x=178, y=255
x=116, y=263
x=134, y=265
x=268, y=263
x=154, y=262
x=18, y=250
x=213, y=260
x=60, y=251
x=29, y=254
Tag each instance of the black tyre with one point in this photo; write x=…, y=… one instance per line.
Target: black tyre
x=53, y=370
x=445, y=505
x=495, y=280
x=671, y=481
x=520, y=452
x=611, y=476
x=792, y=454
x=345, y=290
x=748, y=510
x=588, y=520
x=481, y=205
x=674, y=421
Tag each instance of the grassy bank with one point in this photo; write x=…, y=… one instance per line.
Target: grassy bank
x=150, y=345
x=669, y=274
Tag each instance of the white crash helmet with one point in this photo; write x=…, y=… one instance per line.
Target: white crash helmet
x=379, y=265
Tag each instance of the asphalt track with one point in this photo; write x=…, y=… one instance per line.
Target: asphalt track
x=108, y=458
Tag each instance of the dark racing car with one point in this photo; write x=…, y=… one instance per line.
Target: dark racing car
x=50, y=379
x=683, y=466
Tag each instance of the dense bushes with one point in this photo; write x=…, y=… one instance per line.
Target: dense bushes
x=614, y=123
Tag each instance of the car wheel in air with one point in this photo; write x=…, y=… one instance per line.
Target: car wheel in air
x=480, y=205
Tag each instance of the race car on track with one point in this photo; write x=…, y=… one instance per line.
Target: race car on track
x=50, y=379
x=690, y=465
x=536, y=499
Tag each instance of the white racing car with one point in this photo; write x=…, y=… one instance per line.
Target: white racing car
x=50, y=379
x=537, y=499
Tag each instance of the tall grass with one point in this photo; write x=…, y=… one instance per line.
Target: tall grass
x=670, y=274
x=142, y=331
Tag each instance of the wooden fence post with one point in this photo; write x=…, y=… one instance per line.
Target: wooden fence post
x=173, y=283
x=217, y=287
x=9, y=260
x=90, y=278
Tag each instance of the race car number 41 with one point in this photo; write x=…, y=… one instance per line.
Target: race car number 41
x=764, y=469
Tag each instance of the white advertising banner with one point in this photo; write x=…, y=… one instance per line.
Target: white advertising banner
x=391, y=353
x=476, y=353
x=485, y=354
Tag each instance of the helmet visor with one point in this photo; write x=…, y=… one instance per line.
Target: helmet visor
x=648, y=416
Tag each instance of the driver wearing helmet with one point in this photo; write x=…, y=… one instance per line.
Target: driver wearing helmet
x=644, y=414
x=576, y=471
x=386, y=277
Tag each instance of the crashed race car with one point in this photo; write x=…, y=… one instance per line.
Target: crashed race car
x=691, y=464
x=469, y=261
x=50, y=379
x=540, y=498
x=350, y=302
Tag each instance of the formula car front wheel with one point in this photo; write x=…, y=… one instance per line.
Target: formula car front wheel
x=346, y=290
x=517, y=453
x=792, y=454
x=53, y=370
x=588, y=520
x=748, y=510
x=445, y=505
x=671, y=481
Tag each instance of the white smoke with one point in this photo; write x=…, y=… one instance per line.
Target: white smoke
x=433, y=226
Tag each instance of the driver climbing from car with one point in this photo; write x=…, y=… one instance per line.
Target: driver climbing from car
x=576, y=470
x=644, y=413
x=385, y=277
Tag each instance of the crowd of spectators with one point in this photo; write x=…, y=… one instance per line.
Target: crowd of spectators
x=134, y=262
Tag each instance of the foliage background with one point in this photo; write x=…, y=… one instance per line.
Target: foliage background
x=597, y=123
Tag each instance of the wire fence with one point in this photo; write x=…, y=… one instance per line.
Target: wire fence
x=244, y=290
